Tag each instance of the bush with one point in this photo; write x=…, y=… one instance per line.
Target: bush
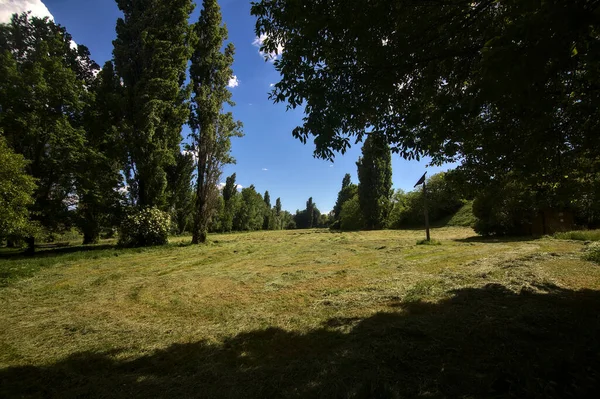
x=592, y=252
x=145, y=227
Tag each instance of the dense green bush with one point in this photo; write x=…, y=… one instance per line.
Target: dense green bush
x=145, y=227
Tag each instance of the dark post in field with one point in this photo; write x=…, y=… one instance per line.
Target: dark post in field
x=422, y=181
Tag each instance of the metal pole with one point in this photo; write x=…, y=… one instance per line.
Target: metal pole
x=426, y=211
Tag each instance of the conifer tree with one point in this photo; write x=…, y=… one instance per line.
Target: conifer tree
x=212, y=129
x=375, y=181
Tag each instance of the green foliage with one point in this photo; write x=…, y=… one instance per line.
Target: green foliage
x=250, y=214
x=351, y=217
x=505, y=209
x=443, y=201
x=268, y=220
x=347, y=191
x=230, y=189
x=145, y=227
x=375, y=181
x=180, y=191
x=500, y=86
x=151, y=53
x=212, y=130
x=232, y=203
x=99, y=178
x=16, y=189
x=309, y=217
x=579, y=235
x=43, y=92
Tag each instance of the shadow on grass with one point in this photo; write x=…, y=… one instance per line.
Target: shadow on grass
x=50, y=250
x=492, y=240
x=487, y=342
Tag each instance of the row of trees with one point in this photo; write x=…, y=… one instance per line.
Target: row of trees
x=96, y=146
x=247, y=210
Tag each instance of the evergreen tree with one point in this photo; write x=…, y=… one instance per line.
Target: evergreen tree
x=347, y=191
x=375, y=181
x=151, y=53
x=210, y=72
x=43, y=92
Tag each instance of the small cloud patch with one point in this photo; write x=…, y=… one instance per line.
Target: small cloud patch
x=233, y=82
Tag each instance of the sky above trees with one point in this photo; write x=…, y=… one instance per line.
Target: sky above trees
x=268, y=156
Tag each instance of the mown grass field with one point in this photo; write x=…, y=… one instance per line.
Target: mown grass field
x=304, y=314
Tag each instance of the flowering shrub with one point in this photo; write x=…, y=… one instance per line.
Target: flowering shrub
x=145, y=227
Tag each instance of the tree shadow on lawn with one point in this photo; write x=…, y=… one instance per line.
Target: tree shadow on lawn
x=496, y=240
x=50, y=250
x=485, y=342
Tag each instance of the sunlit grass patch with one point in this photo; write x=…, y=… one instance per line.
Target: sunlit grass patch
x=580, y=235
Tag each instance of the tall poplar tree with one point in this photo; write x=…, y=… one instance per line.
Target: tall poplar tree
x=375, y=181
x=346, y=193
x=212, y=129
x=151, y=53
x=268, y=218
x=231, y=199
x=277, y=212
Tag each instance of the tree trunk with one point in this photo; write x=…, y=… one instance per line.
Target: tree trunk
x=90, y=237
x=30, y=245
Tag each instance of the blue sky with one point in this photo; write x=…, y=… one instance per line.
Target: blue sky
x=267, y=156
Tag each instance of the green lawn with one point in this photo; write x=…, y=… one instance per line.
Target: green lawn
x=303, y=314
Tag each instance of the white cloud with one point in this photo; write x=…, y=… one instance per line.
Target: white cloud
x=267, y=56
x=9, y=7
x=221, y=186
x=272, y=84
x=233, y=82
x=264, y=169
x=37, y=8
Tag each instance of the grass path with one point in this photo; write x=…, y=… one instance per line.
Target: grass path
x=304, y=313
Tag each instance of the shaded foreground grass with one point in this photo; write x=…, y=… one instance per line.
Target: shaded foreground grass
x=308, y=314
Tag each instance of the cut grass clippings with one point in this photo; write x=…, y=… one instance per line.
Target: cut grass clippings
x=304, y=313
